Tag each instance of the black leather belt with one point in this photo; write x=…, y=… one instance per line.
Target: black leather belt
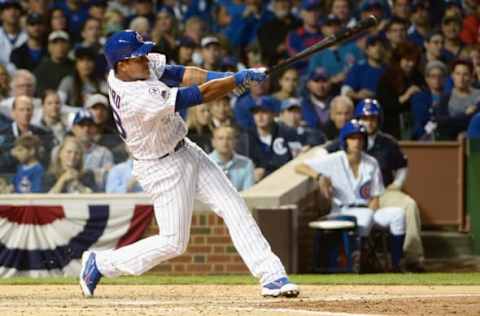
x=355, y=205
x=179, y=145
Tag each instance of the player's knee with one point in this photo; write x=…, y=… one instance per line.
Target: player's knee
x=175, y=246
x=398, y=223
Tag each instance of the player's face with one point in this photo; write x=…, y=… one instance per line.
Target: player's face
x=135, y=68
x=371, y=123
x=355, y=143
x=223, y=141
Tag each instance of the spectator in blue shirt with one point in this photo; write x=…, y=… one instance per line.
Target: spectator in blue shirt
x=238, y=169
x=421, y=25
x=243, y=104
x=29, y=176
x=362, y=79
x=307, y=35
x=76, y=13
x=121, y=180
x=316, y=102
x=474, y=127
x=338, y=59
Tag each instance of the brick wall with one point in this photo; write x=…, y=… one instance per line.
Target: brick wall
x=210, y=249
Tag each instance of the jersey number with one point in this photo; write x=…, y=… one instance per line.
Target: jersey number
x=116, y=116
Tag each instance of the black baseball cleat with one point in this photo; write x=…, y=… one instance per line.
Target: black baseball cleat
x=280, y=287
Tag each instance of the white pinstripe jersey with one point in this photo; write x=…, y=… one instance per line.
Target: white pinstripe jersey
x=346, y=188
x=144, y=112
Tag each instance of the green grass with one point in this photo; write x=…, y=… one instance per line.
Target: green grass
x=320, y=279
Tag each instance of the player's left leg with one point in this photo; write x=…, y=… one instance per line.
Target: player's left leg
x=394, y=219
x=215, y=190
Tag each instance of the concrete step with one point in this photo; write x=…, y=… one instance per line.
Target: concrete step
x=441, y=244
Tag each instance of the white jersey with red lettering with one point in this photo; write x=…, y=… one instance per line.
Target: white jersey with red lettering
x=145, y=115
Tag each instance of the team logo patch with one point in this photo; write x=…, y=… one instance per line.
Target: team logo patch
x=279, y=146
x=365, y=190
x=155, y=91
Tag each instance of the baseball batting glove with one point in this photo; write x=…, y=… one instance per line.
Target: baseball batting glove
x=245, y=77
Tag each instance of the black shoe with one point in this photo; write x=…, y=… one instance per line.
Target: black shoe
x=415, y=267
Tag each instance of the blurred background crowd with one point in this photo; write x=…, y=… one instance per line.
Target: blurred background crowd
x=57, y=134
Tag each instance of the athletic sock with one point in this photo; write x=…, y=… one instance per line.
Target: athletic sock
x=396, y=249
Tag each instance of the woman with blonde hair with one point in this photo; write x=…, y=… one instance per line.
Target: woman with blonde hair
x=66, y=173
x=199, y=122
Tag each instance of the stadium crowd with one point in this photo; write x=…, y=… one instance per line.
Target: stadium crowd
x=57, y=134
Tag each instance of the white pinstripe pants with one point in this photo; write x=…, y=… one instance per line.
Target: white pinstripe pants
x=174, y=182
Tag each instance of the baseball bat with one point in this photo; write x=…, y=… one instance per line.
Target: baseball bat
x=328, y=41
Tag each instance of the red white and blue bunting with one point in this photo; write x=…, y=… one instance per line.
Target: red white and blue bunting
x=48, y=240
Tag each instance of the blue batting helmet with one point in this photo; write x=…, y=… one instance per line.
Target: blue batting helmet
x=351, y=128
x=125, y=44
x=367, y=107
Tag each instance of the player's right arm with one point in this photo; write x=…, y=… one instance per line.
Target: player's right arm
x=211, y=90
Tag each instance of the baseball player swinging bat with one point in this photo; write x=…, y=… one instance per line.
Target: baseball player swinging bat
x=328, y=41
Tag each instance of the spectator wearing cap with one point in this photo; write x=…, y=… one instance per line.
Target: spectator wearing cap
x=212, y=54
x=199, y=123
x=23, y=84
x=22, y=112
x=76, y=12
x=75, y=88
x=291, y=116
x=272, y=35
x=402, y=9
x=424, y=102
x=11, y=34
x=184, y=55
x=308, y=34
x=165, y=32
x=243, y=104
x=470, y=33
x=335, y=60
x=123, y=6
x=341, y=111
x=238, y=169
x=106, y=134
x=316, y=102
x=377, y=8
x=362, y=78
x=453, y=47
x=421, y=25
x=97, y=158
x=268, y=144
x=456, y=109
x=401, y=80
x=56, y=66
x=396, y=32
x=29, y=54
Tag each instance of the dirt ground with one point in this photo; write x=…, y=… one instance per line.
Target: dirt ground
x=239, y=300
